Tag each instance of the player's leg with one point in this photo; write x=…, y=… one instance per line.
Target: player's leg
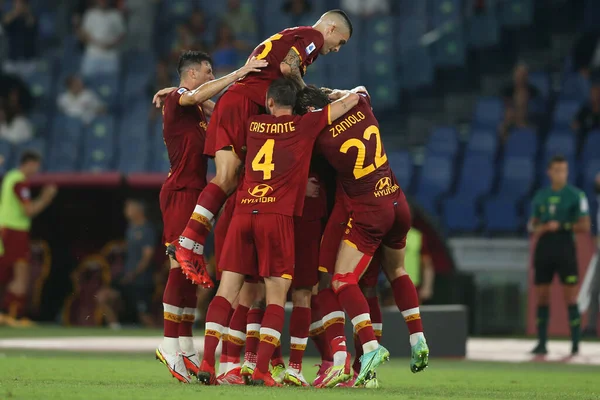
x=253, y=322
x=317, y=332
x=594, y=309
x=544, y=273
x=107, y=299
x=186, y=339
x=270, y=330
x=569, y=275
x=15, y=298
x=300, y=322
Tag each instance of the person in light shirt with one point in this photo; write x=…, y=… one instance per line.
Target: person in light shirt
x=79, y=102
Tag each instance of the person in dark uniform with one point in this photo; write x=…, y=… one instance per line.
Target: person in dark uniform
x=558, y=212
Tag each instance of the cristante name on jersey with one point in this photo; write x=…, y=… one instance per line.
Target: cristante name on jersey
x=346, y=123
x=384, y=187
x=272, y=129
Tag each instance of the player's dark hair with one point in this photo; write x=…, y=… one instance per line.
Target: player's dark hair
x=310, y=96
x=29, y=156
x=559, y=158
x=191, y=57
x=345, y=17
x=283, y=92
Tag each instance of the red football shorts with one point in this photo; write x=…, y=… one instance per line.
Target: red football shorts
x=387, y=225
x=176, y=207
x=332, y=236
x=371, y=275
x=227, y=125
x=260, y=243
x=16, y=248
x=221, y=233
x=307, y=238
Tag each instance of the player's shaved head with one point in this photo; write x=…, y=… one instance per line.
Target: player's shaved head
x=283, y=92
x=340, y=18
x=190, y=59
x=336, y=28
x=308, y=98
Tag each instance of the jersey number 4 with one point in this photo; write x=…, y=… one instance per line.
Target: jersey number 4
x=360, y=170
x=263, y=161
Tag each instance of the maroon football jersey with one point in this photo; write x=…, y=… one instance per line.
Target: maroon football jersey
x=353, y=147
x=277, y=162
x=184, y=132
x=316, y=207
x=305, y=40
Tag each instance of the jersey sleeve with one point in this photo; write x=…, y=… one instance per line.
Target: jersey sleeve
x=308, y=44
x=22, y=192
x=313, y=122
x=177, y=96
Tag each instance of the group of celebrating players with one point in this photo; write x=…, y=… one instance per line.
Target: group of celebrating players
x=275, y=141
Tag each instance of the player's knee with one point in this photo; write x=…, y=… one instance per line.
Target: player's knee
x=543, y=296
x=260, y=304
x=324, y=281
x=340, y=280
x=369, y=291
x=301, y=297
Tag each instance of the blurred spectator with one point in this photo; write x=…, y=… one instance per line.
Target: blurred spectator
x=225, y=54
x=239, y=20
x=140, y=23
x=520, y=83
x=14, y=125
x=102, y=31
x=184, y=41
x=418, y=264
x=588, y=116
x=297, y=9
x=366, y=8
x=586, y=53
x=134, y=288
x=161, y=81
x=10, y=83
x=21, y=30
x=516, y=115
x=197, y=28
x=79, y=102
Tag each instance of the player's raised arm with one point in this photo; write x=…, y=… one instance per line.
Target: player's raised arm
x=342, y=105
x=290, y=67
x=210, y=89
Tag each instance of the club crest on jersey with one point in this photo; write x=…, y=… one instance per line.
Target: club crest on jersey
x=181, y=90
x=310, y=48
x=384, y=187
x=260, y=194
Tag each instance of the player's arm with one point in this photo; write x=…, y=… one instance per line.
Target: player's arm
x=210, y=89
x=342, y=105
x=428, y=277
x=208, y=106
x=144, y=263
x=583, y=224
x=290, y=67
x=36, y=206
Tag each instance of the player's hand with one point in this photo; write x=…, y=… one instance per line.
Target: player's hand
x=160, y=95
x=425, y=293
x=337, y=94
x=253, y=65
x=312, y=187
x=552, y=226
x=49, y=192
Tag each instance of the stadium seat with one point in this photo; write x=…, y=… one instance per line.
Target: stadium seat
x=133, y=155
x=64, y=156
x=517, y=178
x=435, y=179
x=135, y=123
x=107, y=86
x=515, y=13
x=38, y=145
x=500, y=215
x=409, y=32
x=489, y=111
x=99, y=145
x=483, y=31
x=443, y=11
x=402, y=165
x=450, y=50
x=521, y=142
x=541, y=81
x=589, y=172
x=417, y=69
x=565, y=112
x=413, y=9
x=560, y=142
x=159, y=157
x=575, y=87
x=476, y=177
x=178, y=10
x=40, y=84
x=66, y=128
x=591, y=145
x=459, y=215
x=483, y=142
x=443, y=141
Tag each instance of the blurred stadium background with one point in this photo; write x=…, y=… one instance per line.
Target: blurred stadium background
x=474, y=97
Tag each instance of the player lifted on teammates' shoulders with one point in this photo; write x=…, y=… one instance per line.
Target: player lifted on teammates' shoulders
x=379, y=215
x=184, y=131
x=288, y=53
x=262, y=230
